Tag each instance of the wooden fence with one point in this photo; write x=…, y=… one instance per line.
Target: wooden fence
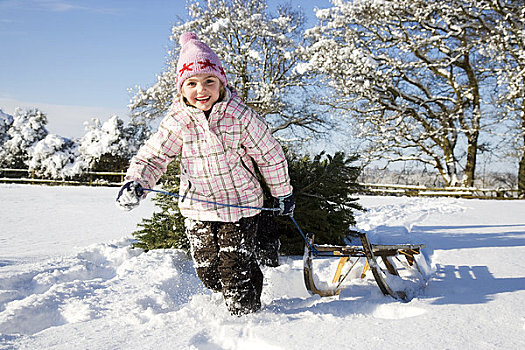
x=423, y=191
x=116, y=179
x=92, y=178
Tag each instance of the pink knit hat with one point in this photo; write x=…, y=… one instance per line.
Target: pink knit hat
x=197, y=58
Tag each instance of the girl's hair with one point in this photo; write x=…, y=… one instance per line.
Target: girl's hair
x=222, y=92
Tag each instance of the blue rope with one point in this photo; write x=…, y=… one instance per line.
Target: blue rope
x=312, y=249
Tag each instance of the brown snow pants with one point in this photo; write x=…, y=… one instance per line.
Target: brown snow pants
x=225, y=261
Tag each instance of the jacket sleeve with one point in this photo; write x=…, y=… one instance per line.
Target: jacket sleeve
x=267, y=154
x=152, y=159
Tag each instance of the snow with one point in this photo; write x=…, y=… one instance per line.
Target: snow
x=69, y=279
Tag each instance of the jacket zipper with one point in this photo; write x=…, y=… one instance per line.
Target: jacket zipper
x=248, y=169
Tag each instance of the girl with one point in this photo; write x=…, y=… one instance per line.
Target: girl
x=217, y=136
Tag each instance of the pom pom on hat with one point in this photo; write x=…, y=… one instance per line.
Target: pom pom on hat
x=197, y=58
x=184, y=38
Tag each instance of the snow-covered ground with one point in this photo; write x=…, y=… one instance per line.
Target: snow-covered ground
x=69, y=280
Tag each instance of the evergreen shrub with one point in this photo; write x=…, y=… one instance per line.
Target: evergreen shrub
x=165, y=229
x=323, y=188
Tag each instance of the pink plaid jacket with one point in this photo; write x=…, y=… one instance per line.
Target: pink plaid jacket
x=216, y=158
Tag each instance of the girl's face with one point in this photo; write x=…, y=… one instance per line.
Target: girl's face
x=201, y=91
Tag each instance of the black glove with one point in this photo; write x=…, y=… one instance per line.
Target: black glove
x=130, y=195
x=285, y=204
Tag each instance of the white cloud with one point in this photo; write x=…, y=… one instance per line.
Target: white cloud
x=58, y=6
x=64, y=120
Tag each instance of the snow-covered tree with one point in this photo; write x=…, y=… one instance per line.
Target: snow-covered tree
x=151, y=104
x=53, y=158
x=27, y=128
x=110, y=145
x=502, y=34
x=410, y=74
x=260, y=53
x=5, y=123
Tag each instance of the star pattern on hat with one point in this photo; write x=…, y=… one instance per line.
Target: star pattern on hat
x=186, y=67
x=207, y=63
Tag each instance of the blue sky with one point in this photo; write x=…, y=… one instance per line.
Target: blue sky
x=77, y=59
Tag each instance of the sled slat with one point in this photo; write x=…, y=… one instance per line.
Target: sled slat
x=391, y=269
x=409, y=254
x=365, y=269
x=342, y=262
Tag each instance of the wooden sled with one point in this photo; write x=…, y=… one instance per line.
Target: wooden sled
x=394, y=259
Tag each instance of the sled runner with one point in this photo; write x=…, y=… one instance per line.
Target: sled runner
x=394, y=267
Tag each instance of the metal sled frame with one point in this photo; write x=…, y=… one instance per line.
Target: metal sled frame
x=368, y=251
